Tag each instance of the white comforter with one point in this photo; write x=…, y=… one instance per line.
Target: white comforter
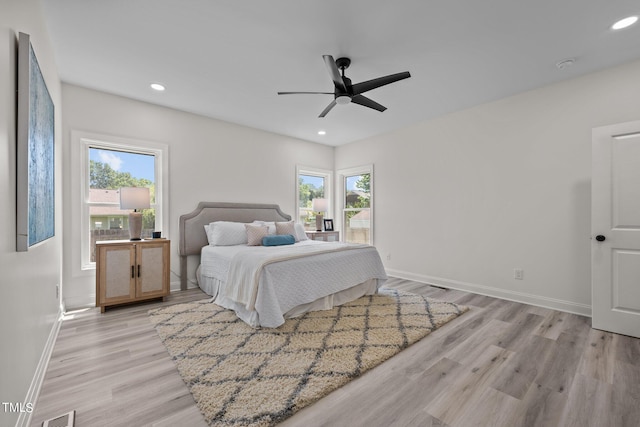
x=262, y=283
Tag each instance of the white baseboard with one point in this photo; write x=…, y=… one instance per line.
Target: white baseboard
x=537, y=300
x=90, y=300
x=24, y=420
x=77, y=302
x=175, y=286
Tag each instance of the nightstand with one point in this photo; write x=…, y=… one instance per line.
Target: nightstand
x=129, y=271
x=326, y=236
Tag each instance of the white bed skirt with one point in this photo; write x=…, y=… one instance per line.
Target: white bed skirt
x=212, y=285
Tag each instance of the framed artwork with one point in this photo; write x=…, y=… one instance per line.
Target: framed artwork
x=35, y=168
x=328, y=225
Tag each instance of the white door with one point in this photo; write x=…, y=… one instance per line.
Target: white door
x=615, y=228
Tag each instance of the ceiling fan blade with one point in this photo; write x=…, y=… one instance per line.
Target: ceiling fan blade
x=308, y=93
x=362, y=87
x=335, y=72
x=363, y=100
x=329, y=107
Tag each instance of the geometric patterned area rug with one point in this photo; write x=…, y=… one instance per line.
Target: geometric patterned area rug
x=241, y=376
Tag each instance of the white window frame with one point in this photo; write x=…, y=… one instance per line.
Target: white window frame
x=341, y=176
x=328, y=188
x=83, y=141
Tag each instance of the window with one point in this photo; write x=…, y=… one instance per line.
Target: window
x=357, y=205
x=109, y=170
x=312, y=184
x=106, y=165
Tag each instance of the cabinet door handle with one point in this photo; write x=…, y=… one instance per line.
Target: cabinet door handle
x=133, y=275
x=138, y=270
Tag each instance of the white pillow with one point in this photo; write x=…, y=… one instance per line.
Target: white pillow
x=300, y=233
x=287, y=228
x=226, y=233
x=270, y=224
x=255, y=233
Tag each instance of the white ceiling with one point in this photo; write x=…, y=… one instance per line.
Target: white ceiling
x=227, y=58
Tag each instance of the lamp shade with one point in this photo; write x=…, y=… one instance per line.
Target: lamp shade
x=320, y=205
x=134, y=198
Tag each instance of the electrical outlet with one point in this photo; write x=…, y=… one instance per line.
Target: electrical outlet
x=388, y=257
x=518, y=273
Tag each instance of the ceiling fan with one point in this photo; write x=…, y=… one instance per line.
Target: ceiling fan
x=345, y=92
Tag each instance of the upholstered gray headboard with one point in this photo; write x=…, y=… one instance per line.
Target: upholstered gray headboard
x=192, y=234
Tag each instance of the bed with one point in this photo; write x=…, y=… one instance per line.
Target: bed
x=266, y=285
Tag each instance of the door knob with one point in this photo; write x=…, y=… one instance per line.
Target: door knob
x=600, y=238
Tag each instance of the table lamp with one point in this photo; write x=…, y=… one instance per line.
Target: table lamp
x=136, y=198
x=320, y=206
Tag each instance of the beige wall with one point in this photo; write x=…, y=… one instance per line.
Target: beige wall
x=464, y=199
x=29, y=307
x=209, y=160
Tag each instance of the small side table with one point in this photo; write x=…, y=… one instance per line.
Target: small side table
x=128, y=271
x=326, y=236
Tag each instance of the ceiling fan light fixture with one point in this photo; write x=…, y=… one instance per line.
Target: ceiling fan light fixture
x=345, y=92
x=343, y=99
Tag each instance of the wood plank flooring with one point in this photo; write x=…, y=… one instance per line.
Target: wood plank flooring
x=500, y=364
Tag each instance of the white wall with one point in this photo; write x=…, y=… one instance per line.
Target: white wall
x=464, y=199
x=29, y=307
x=209, y=160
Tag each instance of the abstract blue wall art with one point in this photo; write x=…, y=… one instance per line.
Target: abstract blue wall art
x=35, y=195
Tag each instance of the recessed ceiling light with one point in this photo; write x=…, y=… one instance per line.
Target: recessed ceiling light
x=565, y=63
x=624, y=23
x=157, y=86
x=322, y=132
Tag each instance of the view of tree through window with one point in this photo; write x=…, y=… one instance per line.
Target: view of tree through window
x=110, y=170
x=357, y=208
x=309, y=187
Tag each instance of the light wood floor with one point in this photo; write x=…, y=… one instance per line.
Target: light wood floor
x=500, y=364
